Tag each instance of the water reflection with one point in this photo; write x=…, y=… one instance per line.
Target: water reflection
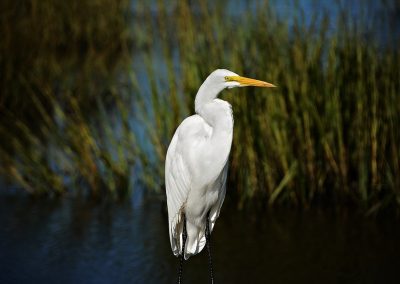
x=75, y=241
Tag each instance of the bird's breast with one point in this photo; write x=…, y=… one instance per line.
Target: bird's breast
x=211, y=157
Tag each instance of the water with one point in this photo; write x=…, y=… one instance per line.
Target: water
x=75, y=241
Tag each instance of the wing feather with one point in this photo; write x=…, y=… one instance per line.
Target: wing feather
x=178, y=177
x=221, y=184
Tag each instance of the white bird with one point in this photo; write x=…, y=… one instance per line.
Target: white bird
x=197, y=163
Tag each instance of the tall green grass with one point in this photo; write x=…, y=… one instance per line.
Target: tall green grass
x=327, y=135
x=63, y=66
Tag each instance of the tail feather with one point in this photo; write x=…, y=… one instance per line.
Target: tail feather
x=195, y=241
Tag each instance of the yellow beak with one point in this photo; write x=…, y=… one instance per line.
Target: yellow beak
x=249, y=82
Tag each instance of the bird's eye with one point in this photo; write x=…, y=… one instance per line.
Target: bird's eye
x=226, y=78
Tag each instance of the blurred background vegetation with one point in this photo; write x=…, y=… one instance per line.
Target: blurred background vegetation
x=91, y=92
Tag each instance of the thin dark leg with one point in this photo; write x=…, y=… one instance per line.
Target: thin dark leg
x=208, y=239
x=184, y=236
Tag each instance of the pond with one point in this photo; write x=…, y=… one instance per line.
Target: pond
x=75, y=241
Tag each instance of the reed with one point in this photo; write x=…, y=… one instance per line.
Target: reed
x=327, y=135
x=62, y=64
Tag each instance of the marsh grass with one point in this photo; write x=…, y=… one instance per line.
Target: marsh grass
x=327, y=135
x=62, y=64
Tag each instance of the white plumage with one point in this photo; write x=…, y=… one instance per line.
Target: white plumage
x=196, y=162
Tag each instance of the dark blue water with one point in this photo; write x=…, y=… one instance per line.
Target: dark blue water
x=76, y=241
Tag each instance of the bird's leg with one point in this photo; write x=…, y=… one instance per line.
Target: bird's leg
x=184, y=236
x=208, y=239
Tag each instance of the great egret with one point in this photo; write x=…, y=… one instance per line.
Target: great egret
x=196, y=165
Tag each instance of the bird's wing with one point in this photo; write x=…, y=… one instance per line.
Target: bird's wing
x=178, y=177
x=221, y=184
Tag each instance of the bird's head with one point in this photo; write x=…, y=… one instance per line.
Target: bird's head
x=219, y=80
x=229, y=79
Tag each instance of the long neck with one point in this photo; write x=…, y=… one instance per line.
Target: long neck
x=218, y=114
x=207, y=92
